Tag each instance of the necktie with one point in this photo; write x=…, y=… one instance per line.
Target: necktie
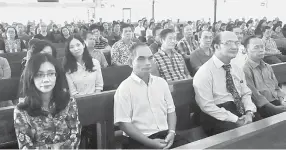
x=231, y=89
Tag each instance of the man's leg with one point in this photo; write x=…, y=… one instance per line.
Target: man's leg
x=269, y=110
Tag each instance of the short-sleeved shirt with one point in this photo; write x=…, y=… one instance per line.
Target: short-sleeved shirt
x=42, y=132
x=98, y=55
x=5, y=70
x=184, y=47
x=171, y=68
x=197, y=59
x=145, y=106
x=120, y=53
x=83, y=82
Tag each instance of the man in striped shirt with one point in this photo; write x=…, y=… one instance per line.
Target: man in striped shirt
x=101, y=43
x=169, y=64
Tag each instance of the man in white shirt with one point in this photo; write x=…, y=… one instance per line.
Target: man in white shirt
x=144, y=107
x=241, y=56
x=221, y=90
x=138, y=30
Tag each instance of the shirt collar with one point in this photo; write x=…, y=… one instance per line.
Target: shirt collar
x=163, y=52
x=139, y=80
x=254, y=64
x=218, y=63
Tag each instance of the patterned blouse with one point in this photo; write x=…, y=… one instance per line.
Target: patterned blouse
x=120, y=53
x=47, y=132
x=12, y=46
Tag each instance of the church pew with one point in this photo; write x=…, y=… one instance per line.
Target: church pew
x=280, y=72
x=112, y=77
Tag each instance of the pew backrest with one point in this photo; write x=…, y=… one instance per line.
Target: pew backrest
x=9, y=89
x=280, y=72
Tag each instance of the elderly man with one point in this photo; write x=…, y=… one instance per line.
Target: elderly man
x=221, y=90
x=260, y=78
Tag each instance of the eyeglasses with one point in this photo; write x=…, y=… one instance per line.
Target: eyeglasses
x=228, y=43
x=42, y=75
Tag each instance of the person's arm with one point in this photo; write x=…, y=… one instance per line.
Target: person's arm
x=6, y=69
x=103, y=62
x=202, y=83
x=98, y=79
x=72, y=87
x=24, y=132
x=186, y=71
x=246, y=95
x=74, y=126
x=280, y=94
x=180, y=48
x=257, y=98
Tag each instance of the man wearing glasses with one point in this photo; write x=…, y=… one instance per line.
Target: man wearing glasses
x=221, y=90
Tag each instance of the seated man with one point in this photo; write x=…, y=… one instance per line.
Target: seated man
x=202, y=54
x=101, y=43
x=272, y=54
x=260, y=78
x=221, y=90
x=241, y=56
x=170, y=65
x=144, y=107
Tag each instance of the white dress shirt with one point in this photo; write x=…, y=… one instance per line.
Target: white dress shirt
x=138, y=30
x=210, y=87
x=145, y=106
x=83, y=82
x=240, y=58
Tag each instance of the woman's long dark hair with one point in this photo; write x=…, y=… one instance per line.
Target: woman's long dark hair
x=33, y=103
x=70, y=65
x=62, y=32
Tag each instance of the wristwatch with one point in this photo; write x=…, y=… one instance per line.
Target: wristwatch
x=172, y=131
x=252, y=114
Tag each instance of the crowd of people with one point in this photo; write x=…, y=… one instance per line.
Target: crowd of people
x=229, y=63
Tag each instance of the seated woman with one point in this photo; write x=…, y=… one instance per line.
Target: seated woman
x=95, y=53
x=12, y=44
x=5, y=70
x=47, y=117
x=83, y=72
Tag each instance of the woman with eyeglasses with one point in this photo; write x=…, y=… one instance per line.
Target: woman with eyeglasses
x=47, y=117
x=83, y=72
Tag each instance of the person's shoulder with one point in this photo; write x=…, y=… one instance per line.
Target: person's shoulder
x=95, y=62
x=3, y=60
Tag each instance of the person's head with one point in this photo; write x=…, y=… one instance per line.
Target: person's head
x=270, y=23
x=266, y=31
x=44, y=47
x=32, y=42
x=226, y=45
x=70, y=27
x=95, y=29
x=222, y=27
x=83, y=30
x=254, y=47
x=20, y=28
x=206, y=39
x=105, y=26
x=249, y=23
x=76, y=49
x=11, y=32
x=43, y=75
x=90, y=40
x=141, y=59
x=37, y=30
x=65, y=32
x=116, y=27
x=140, y=23
x=55, y=28
x=205, y=27
x=277, y=28
x=165, y=25
x=188, y=31
x=168, y=39
x=43, y=27
x=126, y=31
x=261, y=24
x=92, y=21
x=238, y=32
x=242, y=25
x=156, y=33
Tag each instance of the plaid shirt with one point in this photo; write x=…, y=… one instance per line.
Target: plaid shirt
x=171, y=68
x=101, y=44
x=120, y=53
x=184, y=47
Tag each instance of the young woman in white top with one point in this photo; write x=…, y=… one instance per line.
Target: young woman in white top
x=82, y=71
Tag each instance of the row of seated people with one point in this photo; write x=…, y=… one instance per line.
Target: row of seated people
x=143, y=105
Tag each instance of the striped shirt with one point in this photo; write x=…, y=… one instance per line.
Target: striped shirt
x=171, y=68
